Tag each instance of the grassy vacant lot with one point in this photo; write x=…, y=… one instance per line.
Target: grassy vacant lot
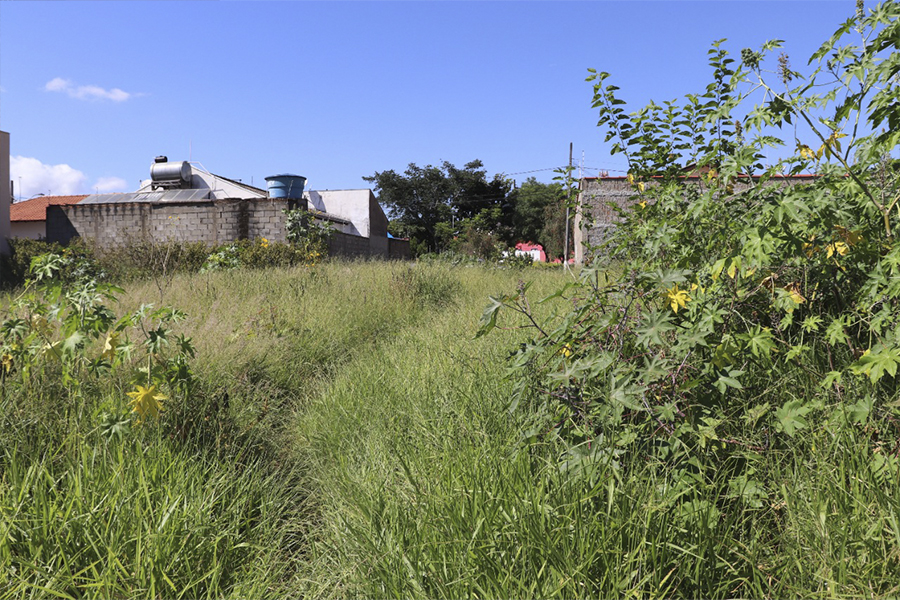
x=348, y=437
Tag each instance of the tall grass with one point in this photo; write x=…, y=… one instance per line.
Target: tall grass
x=131, y=519
x=427, y=486
x=349, y=437
x=213, y=500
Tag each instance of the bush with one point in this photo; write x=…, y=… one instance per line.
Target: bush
x=77, y=259
x=14, y=267
x=751, y=308
x=260, y=254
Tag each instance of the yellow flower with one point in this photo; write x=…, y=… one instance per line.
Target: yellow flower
x=264, y=243
x=566, y=350
x=836, y=248
x=632, y=181
x=677, y=298
x=7, y=362
x=145, y=401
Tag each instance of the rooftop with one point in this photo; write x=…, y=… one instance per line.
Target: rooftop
x=35, y=209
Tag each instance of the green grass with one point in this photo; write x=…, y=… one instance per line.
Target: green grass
x=350, y=437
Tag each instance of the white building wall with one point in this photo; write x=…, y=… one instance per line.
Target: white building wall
x=352, y=205
x=32, y=230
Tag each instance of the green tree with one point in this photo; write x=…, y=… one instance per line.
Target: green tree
x=432, y=204
x=539, y=215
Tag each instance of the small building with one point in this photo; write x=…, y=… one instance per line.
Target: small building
x=535, y=251
x=183, y=202
x=28, y=218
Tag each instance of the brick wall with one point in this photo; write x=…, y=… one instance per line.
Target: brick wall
x=217, y=222
x=211, y=222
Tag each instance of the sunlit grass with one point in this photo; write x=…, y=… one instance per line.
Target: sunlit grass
x=351, y=438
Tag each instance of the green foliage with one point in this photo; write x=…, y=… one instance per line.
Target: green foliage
x=307, y=234
x=14, y=268
x=741, y=282
x=433, y=204
x=222, y=259
x=540, y=214
x=162, y=260
x=113, y=448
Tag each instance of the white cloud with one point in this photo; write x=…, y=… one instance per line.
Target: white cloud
x=106, y=185
x=30, y=176
x=86, y=92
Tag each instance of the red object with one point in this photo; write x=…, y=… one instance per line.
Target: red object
x=530, y=248
x=35, y=209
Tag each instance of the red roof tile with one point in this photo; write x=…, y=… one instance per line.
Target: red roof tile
x=35, y=209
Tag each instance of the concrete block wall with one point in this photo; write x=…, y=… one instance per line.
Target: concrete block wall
x=399, y=249
x=266, y=220
x=597, y=217
x=218, y=222
x=213, y=223
x=344, y=244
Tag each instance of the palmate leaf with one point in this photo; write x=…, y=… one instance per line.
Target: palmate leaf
x=835, y=333
x=792, y=417
x=876, y=364
x=72, y=343
x=655, y=324
x=729, y=381
x=666, y=278
x=751, y=492
x=759, y=341
x=146, y=402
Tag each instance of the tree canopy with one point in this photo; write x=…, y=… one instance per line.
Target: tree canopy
x=446, y=207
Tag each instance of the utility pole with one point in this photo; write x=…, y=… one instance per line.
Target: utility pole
x=568, y=201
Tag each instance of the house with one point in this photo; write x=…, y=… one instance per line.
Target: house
x=28, y=219
x=535, y=251
x=600, y=200
x=184, y=202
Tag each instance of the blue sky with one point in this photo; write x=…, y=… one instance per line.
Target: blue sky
x=91, y=92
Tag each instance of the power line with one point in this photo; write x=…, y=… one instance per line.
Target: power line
x=536, y=170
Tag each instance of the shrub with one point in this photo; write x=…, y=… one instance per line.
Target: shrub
x=308, y=234
x=14, y=267
x=750, y=309
x=262, y=253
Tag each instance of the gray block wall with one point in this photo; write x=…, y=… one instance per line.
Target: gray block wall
x=211, y=222
x=600, y=197
x=217, y=222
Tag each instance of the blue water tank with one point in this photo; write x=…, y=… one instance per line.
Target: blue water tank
x=285, y=186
